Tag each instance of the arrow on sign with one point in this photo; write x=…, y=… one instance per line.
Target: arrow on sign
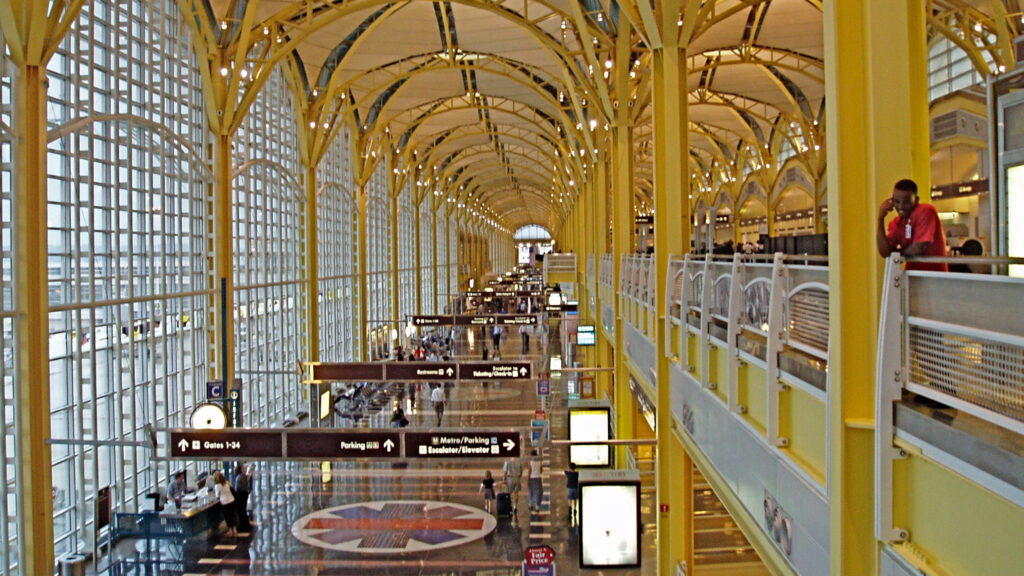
x=388, y=444
x=183, y=445
x=449, y=372
x=509, y=444
x=522, y=371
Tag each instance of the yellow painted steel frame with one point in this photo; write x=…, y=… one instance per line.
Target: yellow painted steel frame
x=955, y=526
x=877, y=133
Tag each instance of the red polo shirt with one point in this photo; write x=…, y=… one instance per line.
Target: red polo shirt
x=922, y=226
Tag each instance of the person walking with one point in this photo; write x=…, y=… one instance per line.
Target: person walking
x=242, y=488
x=524, y=333
x=572, y=489
x=535, y=473
x=222, y=490
x=487, y=489
x=513, y=477
x=437, y=398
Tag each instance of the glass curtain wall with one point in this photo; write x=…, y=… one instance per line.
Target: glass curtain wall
x=336, y=225
x=380, y=317
x=10, y=540
x=128, y=221
x=267, y=217
x=426, y=248
x=406, y=254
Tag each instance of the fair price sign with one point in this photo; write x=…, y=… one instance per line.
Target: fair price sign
x=539, y=561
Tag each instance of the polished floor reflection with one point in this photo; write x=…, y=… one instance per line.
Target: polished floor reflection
x=417, y=517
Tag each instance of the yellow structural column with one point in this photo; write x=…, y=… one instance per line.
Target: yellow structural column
x=31, y=323
x=223, y=261
x=876, y=133
x=599, y=233
x=671, y=237
x=622, y=244
x=311, y=231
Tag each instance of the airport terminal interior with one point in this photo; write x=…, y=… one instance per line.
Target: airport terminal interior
x=512, y=287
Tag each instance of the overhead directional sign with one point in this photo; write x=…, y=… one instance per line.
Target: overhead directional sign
x=462, y=444
x=431, y=320
x=473, y=320
x=336, y=444
x=226, y=444
x=328, y=371
x=330, y=444
x=495, y=370
x=517, y=319
x=432, y=371
x=426, y=371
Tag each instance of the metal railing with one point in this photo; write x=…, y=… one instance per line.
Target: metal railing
x=953, y=338
x=769, y=311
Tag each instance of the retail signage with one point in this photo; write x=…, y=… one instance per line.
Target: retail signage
x=539, y=555
x=462, y=444
x=329, y=444
x=225, y=444
x=431, y=371
x=495, y=370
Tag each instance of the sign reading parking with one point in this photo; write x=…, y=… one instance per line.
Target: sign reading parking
x=225, y=444
x=495, y=370
x=329, y=445
x=467, y=444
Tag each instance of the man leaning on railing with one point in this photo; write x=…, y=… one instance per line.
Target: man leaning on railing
x=916, y=230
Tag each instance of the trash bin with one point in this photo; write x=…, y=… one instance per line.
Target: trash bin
x=73, y=565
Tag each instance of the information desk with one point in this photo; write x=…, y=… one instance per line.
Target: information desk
x=196, y=516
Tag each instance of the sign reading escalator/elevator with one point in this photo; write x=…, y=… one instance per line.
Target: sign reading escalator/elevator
x=467, y=444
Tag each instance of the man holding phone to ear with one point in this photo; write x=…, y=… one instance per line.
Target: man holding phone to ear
x=916, y=230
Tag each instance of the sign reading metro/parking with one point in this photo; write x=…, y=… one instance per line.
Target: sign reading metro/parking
x=495, y=371
x=469, y=444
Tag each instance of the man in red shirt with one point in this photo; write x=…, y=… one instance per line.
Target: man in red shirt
x=916, y=230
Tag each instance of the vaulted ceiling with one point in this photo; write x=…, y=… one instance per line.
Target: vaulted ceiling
x=503, y=106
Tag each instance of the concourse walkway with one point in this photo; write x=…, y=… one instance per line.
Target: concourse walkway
x=372, y=518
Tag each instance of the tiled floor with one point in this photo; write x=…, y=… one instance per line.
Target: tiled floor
x=420, y=516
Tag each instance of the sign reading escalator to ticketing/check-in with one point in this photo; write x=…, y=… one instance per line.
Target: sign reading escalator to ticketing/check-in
x=495, y=370
x=462, y=444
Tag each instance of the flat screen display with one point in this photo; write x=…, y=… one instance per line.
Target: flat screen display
x=587, y=425
x=586, y=335
x=1014, y=216
x=609, y=525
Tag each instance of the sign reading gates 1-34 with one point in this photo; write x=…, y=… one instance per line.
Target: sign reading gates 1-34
x=495, y=370
x=225, y=445
x=466, y=444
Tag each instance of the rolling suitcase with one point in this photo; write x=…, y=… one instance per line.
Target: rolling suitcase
x=503, y=505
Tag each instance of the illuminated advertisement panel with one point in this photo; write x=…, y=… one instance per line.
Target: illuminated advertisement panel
x=609, y=525
x=589, y=424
